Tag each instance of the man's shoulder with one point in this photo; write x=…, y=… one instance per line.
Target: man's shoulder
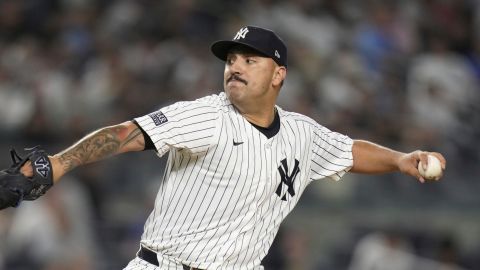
x=308, y=125
x=219, y=100
x=295, y=117
x=212, y=103
x=298, y=119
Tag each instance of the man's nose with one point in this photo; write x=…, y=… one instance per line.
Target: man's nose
x=236, y=67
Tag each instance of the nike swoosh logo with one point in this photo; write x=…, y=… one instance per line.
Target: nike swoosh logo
x=236, y=143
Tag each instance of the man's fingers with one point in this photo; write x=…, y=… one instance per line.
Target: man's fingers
x=413, y=169
x=442, y=159
x=423, y=156
x=27, y=169
x=411, y=164
x=421, y=179
x=415, y=173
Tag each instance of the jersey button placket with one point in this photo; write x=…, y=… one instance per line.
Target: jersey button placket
x=263, y=185
x=269, y=148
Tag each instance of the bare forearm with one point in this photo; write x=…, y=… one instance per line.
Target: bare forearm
x=372, y=158
x=98, y=145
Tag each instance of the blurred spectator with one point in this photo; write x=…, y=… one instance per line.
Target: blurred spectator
x=384, y=35
x=54, y=233
x=17, y=104
x=440, y=86
x=391, y=251
x=382, y=251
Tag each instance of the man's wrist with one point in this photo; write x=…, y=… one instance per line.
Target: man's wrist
x=57, y=168
x=397, y=160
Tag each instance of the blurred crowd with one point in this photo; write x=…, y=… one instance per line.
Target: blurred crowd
x=405, y=74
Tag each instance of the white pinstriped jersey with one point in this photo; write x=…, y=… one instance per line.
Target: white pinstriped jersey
x=227, y=187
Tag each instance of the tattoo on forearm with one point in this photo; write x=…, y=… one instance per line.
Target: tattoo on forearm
x=99, y=145
x=134, y=137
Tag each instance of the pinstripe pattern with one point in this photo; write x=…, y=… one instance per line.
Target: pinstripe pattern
x=217, y=207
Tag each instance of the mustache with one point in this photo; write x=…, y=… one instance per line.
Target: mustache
x=237, y=78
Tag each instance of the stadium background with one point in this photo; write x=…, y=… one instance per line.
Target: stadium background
x=401, y=73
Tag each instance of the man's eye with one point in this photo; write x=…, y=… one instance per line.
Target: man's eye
x=250, y=61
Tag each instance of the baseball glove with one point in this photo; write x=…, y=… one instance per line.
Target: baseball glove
x=16, y=187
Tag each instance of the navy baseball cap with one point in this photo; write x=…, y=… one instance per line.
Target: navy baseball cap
x=264, y=41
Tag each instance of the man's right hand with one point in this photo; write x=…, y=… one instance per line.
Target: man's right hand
x=16, y=186
x=27, y=169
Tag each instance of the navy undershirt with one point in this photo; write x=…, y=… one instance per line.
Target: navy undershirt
x=271, y=130
x=149, y=145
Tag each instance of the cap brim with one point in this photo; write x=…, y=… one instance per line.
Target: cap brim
x=221, y=48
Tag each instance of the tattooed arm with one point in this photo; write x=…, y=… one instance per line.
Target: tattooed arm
x=98, y=145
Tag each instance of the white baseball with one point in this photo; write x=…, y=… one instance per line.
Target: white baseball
x=434, y=168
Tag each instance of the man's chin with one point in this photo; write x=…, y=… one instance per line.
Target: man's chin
x=234, y=87
x=233, y=92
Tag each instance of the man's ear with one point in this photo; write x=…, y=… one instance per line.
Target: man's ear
x=279, y=76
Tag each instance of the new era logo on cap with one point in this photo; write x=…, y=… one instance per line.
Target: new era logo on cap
x=262, y=40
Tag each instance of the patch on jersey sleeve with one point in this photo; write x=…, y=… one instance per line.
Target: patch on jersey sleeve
x=158, y=118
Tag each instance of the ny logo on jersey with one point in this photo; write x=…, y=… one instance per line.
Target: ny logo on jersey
x=241, y=33
x=287, y=179
x=41, y=166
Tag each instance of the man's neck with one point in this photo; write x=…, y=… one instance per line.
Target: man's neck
x=260, y=111
x=262, y=118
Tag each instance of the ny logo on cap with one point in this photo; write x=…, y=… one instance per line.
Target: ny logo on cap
x=241, y=33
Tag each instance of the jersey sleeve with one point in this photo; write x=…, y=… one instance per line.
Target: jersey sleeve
x=331, y=154
x=184, y=125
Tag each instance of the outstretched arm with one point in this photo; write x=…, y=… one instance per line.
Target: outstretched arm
x=98, y=145
x=372, y=158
